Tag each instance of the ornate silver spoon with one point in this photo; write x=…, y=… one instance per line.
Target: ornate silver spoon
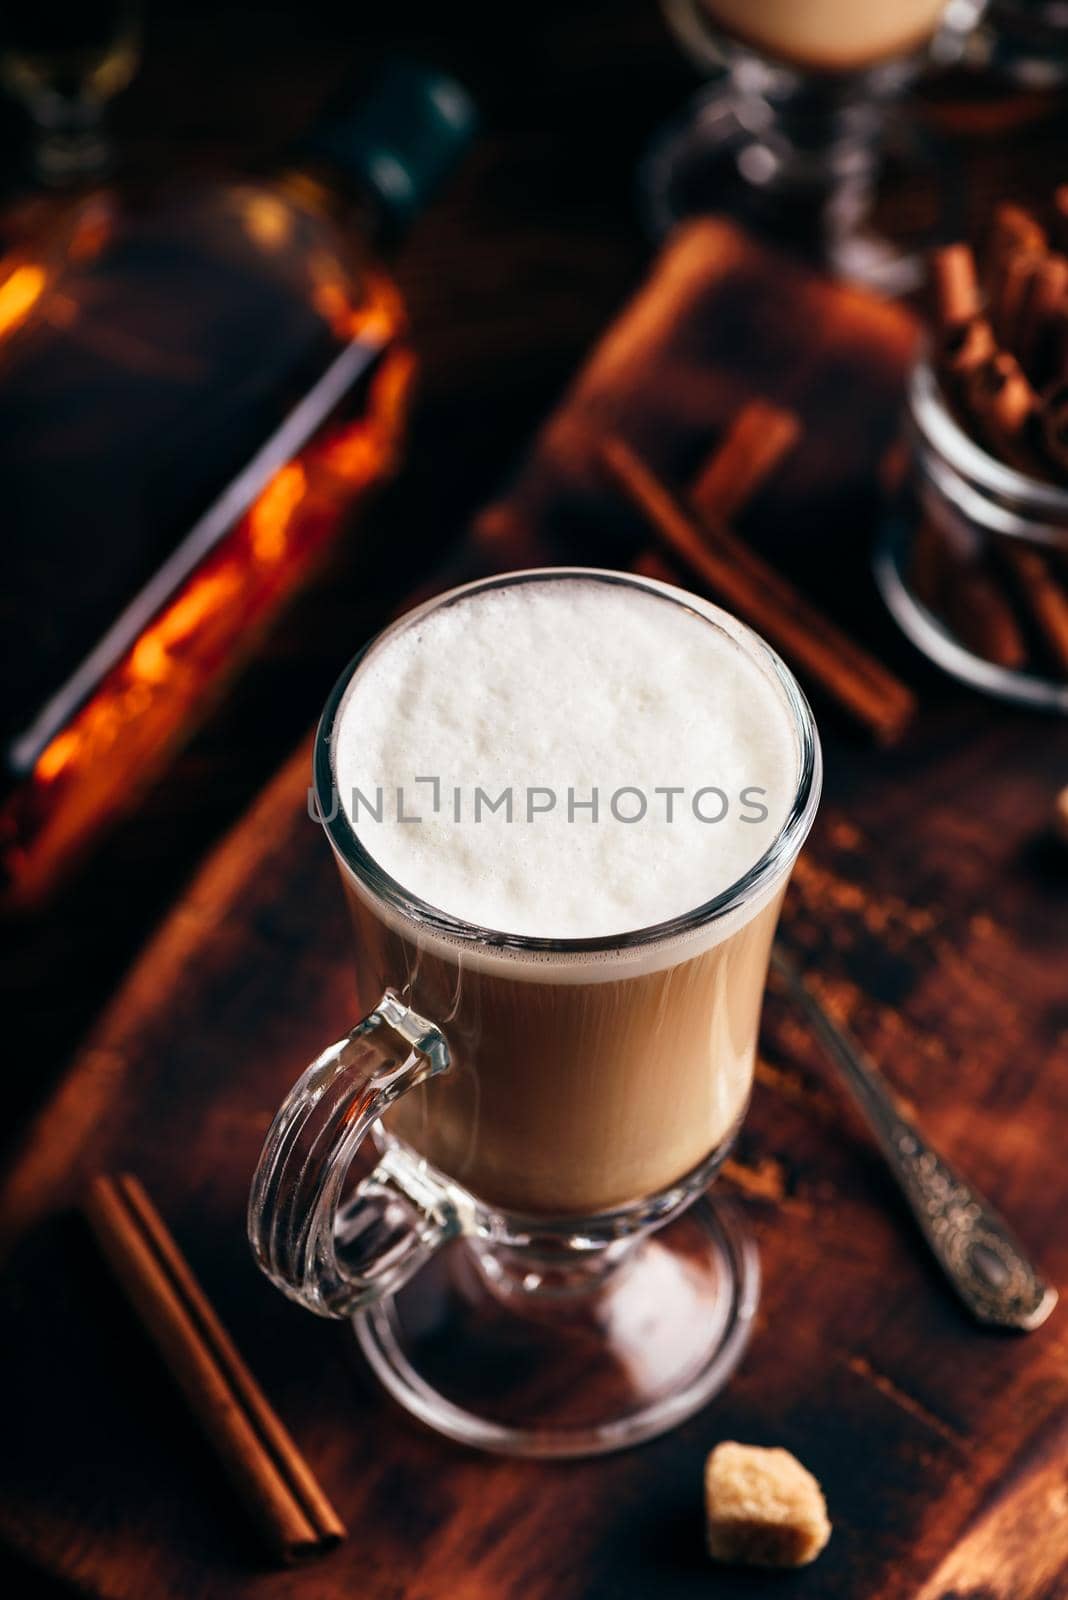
x=973, y=1245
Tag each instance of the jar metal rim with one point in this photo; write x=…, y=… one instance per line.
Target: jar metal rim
x=1041, y=507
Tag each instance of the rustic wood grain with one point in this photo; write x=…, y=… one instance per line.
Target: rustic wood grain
x=933, y=912
x=1016, y=1548
x=863, y=1363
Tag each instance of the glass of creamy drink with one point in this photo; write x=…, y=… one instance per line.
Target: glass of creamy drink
x=790, y=132
x=564, y=805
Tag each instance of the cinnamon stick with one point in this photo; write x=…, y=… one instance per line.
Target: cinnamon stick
x=962, y=353
x=955, y=295
x=983, y=620
x=1054, y=424
x=651, y=564
x=928, y=564
x=1005, y=407
x=754, y=444
x=963, y=337
x=260, y=1457
x=1042, y=596
x=762, y=597
x=1060, y=816
x=1017, y=245
x=1060, y=215
x=951, y=577
x=1014, y=289
x=1042, y=318
x=1014, y=228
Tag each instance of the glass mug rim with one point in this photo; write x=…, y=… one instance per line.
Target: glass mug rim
x=711, y=44
x=417, y=912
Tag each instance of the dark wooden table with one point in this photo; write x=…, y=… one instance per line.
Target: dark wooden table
x=509, y=281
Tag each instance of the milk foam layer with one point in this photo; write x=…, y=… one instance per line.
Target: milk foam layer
x=836, y=35
x=567, y=686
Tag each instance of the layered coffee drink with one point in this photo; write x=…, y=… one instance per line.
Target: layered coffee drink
x=568, y=793
x=829, y=35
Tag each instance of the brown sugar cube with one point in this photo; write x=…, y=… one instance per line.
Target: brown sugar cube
x=763, y=1507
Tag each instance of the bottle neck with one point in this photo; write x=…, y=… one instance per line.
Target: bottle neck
x=383, y=158
x=321, y=187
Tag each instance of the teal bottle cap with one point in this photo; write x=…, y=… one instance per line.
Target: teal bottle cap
x=403, y=139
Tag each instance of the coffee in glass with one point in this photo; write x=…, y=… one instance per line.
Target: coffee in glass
x=565, y=805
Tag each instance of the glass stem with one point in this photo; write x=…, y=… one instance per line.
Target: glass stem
x=809, y=136
x=550, y=1270
x=71, y=145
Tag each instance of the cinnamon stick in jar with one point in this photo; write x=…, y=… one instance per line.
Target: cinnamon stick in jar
x=1014, y=288
x=964, y=350
x=1042, y=596
x=928, y=564
x=1053, y=423
x=1060, y=215
x=964, y=339
x=1005, y=406
x=954, y=285
x=950, y=577
x=1040, y=327
x=1014, y=230
x=1017, y=246
x=983, y=620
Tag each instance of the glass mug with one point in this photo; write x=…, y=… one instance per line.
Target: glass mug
x=790, y=135
x=541, y=1109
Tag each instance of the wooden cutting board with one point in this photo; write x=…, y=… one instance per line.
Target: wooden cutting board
x=933, y=907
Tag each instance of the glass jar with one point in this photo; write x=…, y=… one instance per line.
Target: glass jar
x=972, y=559
x=1026, y=41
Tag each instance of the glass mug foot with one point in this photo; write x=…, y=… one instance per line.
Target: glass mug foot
x=506, y=1363
x=706, y=162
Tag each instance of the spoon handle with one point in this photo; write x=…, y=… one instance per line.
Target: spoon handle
x=974, y=1245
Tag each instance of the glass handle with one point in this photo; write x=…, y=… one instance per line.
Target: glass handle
x=330, y=1256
